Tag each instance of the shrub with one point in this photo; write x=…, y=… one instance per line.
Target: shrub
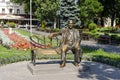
x=56, y=29
x=108, y=29
x=115, y=29
x=92, y=26
x=11, y=24
x=42, y=29
x=107, y=58
x=85, y=30
x=93, y=31
x=115, y=38
x=95, y=35
x=105, y=29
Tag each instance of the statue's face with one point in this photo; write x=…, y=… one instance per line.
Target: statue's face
x=70, y=25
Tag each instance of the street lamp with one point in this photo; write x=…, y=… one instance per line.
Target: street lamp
x=30, y=17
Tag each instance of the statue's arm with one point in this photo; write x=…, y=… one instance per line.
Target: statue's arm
x=55, y=34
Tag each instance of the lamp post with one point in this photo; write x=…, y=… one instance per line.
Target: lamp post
x=58, y=20
x=30, y=17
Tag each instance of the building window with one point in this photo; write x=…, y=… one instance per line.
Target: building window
x=3, y=10
x=10, y=11
x=18, y=11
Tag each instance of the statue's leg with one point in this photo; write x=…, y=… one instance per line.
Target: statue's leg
x=63, y=56
x=34, y=59
x=63, y=59
x=81, y=53
x=32, y=55
x=76, y=57
x=77, y=54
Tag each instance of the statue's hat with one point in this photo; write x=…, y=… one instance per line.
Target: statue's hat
x=70, y=21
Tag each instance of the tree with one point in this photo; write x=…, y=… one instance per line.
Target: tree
x=89, y=9
x=46, y=9
x=69, y=10
x=111, y=9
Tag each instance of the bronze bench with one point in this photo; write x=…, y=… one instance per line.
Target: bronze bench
x=39, y=48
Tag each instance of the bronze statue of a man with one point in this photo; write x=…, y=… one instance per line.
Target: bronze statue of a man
x=70, y=41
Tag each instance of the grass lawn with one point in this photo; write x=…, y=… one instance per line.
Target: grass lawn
x=23, y=32
x=12, y=55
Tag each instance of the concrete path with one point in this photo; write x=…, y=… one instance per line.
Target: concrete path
x=97, y=71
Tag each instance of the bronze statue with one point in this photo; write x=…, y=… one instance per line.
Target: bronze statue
x=70, y=41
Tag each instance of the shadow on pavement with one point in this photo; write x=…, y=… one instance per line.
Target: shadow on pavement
x=100, y=72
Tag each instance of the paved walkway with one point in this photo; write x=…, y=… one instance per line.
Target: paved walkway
x=97, y=71
x=92, y=44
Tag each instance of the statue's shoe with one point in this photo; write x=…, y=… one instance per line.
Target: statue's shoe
x=76, y=64
x=62, y=65
x=58, y=50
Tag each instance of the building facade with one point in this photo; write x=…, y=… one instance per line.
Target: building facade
x=12, y=12
x=7, y=7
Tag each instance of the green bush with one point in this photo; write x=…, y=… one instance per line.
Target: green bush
x=98, y=29
x=115, y=29
x=105, y=29
x=92, y=26
x=108, y=29
x=11, y=24
x=95, y=35
x=47, y=29
x=85, y=30
x=107, y=58
x=93, y=31
x=56, y=29
x=115, y=38
x=42, y=29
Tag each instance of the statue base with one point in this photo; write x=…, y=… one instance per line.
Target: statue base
x=53, y=67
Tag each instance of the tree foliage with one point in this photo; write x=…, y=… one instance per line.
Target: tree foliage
x=111, y=9
x=69, y=10
x=89, y=9
x=46, y=9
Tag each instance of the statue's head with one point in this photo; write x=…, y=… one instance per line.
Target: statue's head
x=70, y=24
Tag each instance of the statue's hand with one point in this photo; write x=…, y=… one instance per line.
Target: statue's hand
x=51, y=35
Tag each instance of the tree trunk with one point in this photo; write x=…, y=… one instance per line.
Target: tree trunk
x=113, y=19
x=55, y=23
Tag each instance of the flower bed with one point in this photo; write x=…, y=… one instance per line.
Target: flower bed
x=19, y=42
x=5, y=39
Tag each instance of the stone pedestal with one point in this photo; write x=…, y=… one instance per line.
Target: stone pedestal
x=53, y=67
x=10, y=31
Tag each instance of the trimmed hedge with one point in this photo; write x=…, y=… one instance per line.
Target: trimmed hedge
x=10, y=24
x=112, y=59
